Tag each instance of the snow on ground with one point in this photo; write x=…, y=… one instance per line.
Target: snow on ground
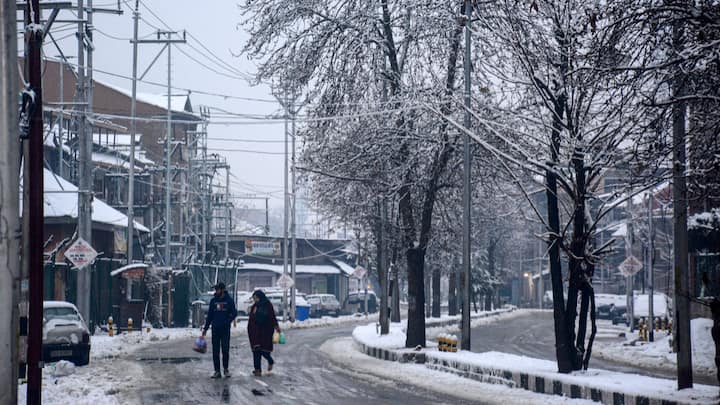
x=632, y=384
x=97, y=383
x=628, y=383
x=433, y=332
x=659, y=354
x=342, y=351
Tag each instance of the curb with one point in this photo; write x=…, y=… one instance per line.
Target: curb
x=495, y=375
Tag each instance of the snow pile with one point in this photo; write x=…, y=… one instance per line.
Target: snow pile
x=63, y=368
x=327, y=321
x=369, y=335
x=104, y=346
x=98, y=383
x=478, y=320
x=659, y=354
x=705, y=220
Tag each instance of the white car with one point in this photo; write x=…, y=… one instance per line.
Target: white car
x=65, y=334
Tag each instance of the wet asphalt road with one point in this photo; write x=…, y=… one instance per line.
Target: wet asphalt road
x=174, y=374
x=532, y=335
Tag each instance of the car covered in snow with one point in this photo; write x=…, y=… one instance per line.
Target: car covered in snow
x=355, y=302
x=65, y=334
x=323, y=304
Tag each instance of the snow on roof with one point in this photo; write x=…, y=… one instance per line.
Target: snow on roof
x=300, y=268
x=706, y=220
x=58, y=304
x=346, y=268
x=65, y=203
x=110, y=159
x=621, y=231
x=177, y=101
x=128, y=267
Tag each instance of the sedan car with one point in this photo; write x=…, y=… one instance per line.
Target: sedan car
x=65, y=334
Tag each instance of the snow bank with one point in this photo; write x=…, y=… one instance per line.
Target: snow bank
x=629, y=384
x=369, y=335
x=381, y=372
x=659, y=354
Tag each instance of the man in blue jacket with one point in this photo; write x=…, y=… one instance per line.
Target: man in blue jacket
x=221, y=313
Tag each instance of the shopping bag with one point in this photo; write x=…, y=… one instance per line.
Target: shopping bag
x=276, y=338
x=200, y=345
x=282, y=338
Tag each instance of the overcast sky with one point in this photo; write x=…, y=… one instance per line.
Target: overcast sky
x=215, y=25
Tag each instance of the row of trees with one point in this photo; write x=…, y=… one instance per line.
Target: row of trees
x=564, y=92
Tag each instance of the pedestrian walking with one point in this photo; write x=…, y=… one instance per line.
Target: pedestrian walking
x=261, y=325
x=221, y=313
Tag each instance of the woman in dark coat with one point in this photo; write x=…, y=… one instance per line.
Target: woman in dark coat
x=261, y=325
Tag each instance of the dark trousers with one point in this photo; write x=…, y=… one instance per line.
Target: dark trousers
x=257, y=358
x=221, y=339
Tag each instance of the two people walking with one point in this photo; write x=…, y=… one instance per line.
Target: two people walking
x=262, y=324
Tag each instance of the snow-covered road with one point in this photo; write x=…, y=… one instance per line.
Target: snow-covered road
x=172, y=373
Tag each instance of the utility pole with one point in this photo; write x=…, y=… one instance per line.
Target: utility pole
x=34, y=185
x=85, y=171
x=285, y=207
x=465, y=336
x=62, y=112
x=680, y=233
x=293, y=226
x=227, y=215
x=9, y=243
x=651, y=269
x=133, y=131
x=168, y=41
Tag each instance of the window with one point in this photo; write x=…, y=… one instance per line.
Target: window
x=135, y=290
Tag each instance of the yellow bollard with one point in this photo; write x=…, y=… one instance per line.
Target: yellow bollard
x=442, y=343
x=130, y=325
x=147, y=330
x=235, y=323
x=669, y=327
x=657, y=324
x=111, y=332
x=454, y=344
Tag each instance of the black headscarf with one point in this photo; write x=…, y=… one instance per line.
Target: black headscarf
x=262, y=298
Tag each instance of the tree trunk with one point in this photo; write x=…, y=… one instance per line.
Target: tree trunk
x=436, y=293
x=416, y=298
x=563, y=345
x=715, y=333
x=452, y=297
x=491, y=271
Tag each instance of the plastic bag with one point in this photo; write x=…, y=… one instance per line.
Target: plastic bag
x=281, y=339
x=200, y=345
x=276, y=338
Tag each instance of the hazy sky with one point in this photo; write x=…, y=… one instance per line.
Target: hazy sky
x=215, y=25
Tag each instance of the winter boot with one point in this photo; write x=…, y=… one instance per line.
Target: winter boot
x=257, y=373
x=216, y=375
x=226, y=373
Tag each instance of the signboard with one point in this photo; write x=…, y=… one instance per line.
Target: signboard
x=262, y=248
x=285, y=282
x=134, y=274
x=359, y=272
x=630, y=266
x=80, y=253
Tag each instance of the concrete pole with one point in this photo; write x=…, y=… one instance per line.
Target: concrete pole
x=293, y=227
x=133, y=131
x=85, y=172
x=650, y=270
x=286, y=208
x=61, y=121
x=9, y=221
x=168, y=163
x=465, y=336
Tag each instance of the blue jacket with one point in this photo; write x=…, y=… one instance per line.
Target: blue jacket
x=221, y=312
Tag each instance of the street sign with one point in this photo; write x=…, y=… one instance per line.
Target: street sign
x=359, y=272
x=630, y=266
x=80, y=253
x=285, y=282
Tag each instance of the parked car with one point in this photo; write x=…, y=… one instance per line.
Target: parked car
x=355, y=302
x=606, y=305
x=323, y=304
x=65, y=334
